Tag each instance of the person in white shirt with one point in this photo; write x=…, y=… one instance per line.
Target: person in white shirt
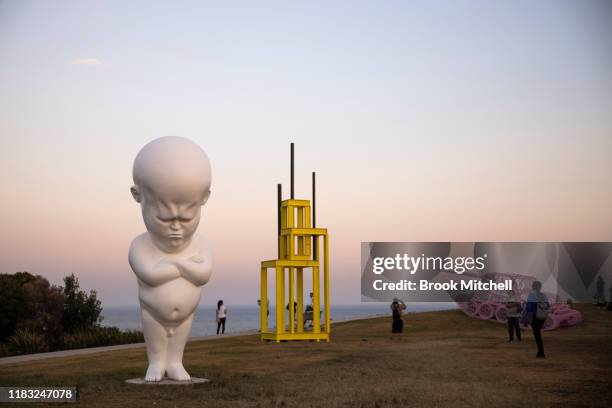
x=221, y=316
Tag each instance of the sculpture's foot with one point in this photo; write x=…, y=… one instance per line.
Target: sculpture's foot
x=155, y=372
x=177, y=372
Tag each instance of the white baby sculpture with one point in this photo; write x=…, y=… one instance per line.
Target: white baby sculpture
x=172, y=179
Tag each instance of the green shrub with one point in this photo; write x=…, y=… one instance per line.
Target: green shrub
x=101, y=336
x=26, y=342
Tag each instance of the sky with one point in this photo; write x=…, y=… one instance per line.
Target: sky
x=424, y=120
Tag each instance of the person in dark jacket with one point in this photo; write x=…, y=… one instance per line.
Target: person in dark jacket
x=537, y=312
x=397, y=326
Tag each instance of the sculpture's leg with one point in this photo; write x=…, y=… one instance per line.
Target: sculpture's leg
x=176, y=346
x=156, y=339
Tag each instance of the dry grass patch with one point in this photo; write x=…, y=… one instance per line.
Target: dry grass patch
x=442, y=359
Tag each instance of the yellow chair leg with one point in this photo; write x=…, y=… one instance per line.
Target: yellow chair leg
x=316, y=313
x=264, y=300
x=300, y=300
x=280, y=300
x=326, y=284
x=291, y=300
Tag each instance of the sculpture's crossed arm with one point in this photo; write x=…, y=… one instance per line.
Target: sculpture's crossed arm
x=151, y=272
x=195, y=269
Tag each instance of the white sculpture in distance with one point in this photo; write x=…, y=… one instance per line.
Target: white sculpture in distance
x=172, y=178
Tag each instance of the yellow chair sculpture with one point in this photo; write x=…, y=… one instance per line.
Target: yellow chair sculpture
x=299, y=249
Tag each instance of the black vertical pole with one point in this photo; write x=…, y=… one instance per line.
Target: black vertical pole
x=314, y=202
x=315, y=239
x=292, y=170
x=279, y=191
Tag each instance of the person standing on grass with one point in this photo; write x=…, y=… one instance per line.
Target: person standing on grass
x=513, y=312
x=267, y=306
x=397, y=326
x=537, y=312
x=221, y=316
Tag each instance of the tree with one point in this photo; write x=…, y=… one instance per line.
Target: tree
x=30, y=303
x=46, y=311
x=14, y=305
x=81, y=311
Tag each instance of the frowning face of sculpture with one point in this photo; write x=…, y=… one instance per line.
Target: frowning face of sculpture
x=172, y=219
x=171, y=192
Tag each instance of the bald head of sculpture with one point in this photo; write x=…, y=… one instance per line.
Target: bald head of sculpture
x=172, y=178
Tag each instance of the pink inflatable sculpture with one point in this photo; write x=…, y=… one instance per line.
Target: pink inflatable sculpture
x=492, y=306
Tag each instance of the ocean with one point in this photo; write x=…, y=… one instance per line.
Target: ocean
x=244, y=318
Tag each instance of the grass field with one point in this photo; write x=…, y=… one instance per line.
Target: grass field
x=441, y=359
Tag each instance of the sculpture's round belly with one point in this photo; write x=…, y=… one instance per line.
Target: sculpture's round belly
x=173, y=301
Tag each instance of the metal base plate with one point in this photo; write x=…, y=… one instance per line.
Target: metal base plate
x=167, y=381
